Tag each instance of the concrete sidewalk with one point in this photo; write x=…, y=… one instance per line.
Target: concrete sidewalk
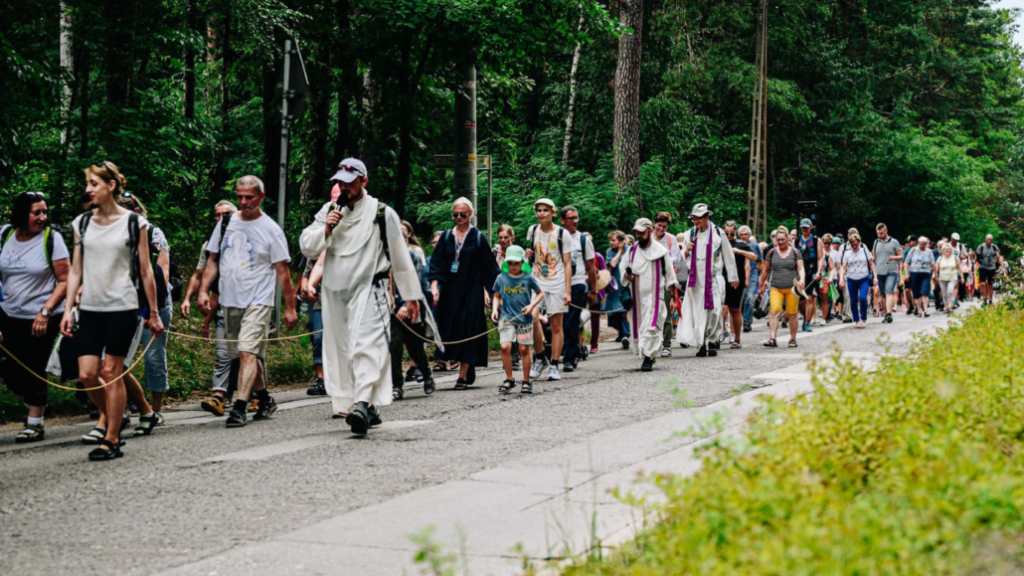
x=546, y=505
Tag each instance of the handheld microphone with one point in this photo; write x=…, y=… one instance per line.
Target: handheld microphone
x=333, y=208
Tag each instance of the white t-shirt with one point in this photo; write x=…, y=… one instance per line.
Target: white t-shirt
x=28, y=280
x=106, y=266
x=201, y=265
x=581, y=256
x=545, y=251
x=248, y=254
x=857, y=263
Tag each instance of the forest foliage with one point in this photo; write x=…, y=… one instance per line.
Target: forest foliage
x=907, y=111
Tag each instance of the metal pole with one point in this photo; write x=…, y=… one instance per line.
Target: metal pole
x=283, y=169
x=490, y=204
x=465, y=137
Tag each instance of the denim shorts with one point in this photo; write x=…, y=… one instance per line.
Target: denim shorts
x=889, y=282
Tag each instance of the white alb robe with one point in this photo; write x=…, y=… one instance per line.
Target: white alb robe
x=649, y=284
x=356, y=310
x=698, y=326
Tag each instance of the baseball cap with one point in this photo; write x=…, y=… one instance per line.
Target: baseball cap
x=837, y=240
x=515, y=254
x=643, y=224
x=955, y=236
x=349, y=169
x=546, y=202
x=806, y=223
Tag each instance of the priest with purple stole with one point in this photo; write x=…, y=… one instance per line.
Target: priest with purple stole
x=649, y=275
x=706, y=250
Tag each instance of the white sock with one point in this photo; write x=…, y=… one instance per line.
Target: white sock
x=35, y=421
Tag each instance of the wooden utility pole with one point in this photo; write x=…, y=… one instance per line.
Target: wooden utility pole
x=757, y=185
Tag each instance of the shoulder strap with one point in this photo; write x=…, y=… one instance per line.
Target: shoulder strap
x=6, y=233
x=133, y=245
x=224, y=226
x=383, y=225
x=530, y=234
x=83, y=225
x=48, y=247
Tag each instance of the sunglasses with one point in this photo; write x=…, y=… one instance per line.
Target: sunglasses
x=460, y=214
x=730, y=234
x=351, y=168
x=695, y=218
x=572, y=218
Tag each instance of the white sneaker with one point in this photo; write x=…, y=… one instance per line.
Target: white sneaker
x=553, y=373
x=538, y=367
x=666, y=353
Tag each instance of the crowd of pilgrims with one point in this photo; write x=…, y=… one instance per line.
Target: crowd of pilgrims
x=372, y=294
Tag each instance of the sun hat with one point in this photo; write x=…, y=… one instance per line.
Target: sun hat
x=604, y=277
x=515, y=254
x=700, y=210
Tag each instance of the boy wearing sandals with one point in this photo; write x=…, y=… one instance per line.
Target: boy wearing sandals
x=512, y=309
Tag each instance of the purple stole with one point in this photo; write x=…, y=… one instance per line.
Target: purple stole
x=636, y=295
x=709, y=297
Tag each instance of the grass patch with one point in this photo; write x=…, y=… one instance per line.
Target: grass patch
x=917, y=468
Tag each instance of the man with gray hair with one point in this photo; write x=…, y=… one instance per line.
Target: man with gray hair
x=247, y=254
x=708, y=251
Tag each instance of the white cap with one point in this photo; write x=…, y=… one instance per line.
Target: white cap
x=955, y=236
x=545, y=201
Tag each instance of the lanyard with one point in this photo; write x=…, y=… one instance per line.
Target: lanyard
x=458, y=245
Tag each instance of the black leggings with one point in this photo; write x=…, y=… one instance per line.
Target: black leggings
x=33, y=351
x=399, y=335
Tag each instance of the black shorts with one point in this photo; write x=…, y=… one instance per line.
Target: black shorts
x=110, y=331
x=986, y=276
x=33, y=351
x=734, y=296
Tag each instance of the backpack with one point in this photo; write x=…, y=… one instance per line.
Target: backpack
x=174, y=280
x=133, y=244
x=531, y=234
x=7, y=231
x=215, y=284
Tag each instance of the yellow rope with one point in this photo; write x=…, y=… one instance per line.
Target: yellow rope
x=276, y=339
x=463, y=341
x=598, y=311
x=55, y=385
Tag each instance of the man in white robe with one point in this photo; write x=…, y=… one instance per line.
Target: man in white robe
x=354, y=294
x=649, y=274
x=700, y=323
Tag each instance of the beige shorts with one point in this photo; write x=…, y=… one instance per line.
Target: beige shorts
x=252, y=323
x=515, y=333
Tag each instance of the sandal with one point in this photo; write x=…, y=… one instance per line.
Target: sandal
x=735, y=346
x=146, y=424
x=441, y=367
x=397, y=393
x=771, y=343
x=506, y=386
x=105, y=451
x=460, y=384
x=31, y=433
x=527, y=387
x=792, y=343
x=428, y=385
x=94, y=436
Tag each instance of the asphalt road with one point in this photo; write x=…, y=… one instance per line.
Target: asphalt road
x=195, y=489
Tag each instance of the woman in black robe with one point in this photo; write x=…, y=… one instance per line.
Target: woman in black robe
x=462, y=264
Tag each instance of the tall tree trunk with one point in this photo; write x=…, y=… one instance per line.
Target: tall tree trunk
x=190, y=63
x=403, y=171
x=220, y=175
x=117, y=64
x=344, y=60
x=319, y=97
x=627, y=102
x=567, y=141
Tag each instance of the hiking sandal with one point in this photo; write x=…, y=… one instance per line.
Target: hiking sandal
x=94, y=436
x=527, y=387
x=771, y=343
x=735, y=346
x=440, y=367
x=105, y=450
x=792, y=343
x=506, y=386
x=146, y=424
x=31, y=433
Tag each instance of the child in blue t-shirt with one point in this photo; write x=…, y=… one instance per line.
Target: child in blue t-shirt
x=516, y=295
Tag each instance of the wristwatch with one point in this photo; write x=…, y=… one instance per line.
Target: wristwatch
x=45, y=312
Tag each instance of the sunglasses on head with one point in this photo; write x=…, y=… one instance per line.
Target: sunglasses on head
x=351, y=168
x=101, y=164
x=460, y=214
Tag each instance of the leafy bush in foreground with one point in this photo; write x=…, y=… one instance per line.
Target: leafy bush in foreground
x=914, y=469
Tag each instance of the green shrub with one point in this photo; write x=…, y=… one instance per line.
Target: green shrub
x=916, y=468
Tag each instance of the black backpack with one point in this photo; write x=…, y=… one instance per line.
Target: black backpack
x=134, y=231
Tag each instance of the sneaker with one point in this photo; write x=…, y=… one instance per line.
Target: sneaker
x=553, y=373
x=236, y=419
x=266, y=409
x=847, y=320
x=539, y=364
x=515, y=364
x=213, y=405
x=806, y=327
x=648, y=364
x=747, y=327
x=568, y=367
x=703, y=352
x=666, y=353
x=625, y=342
x=428, y=386
x=358, y=419
x=888, y=319
x=318, y=388
x=593, y=350
x=159, y=418
x=397, y=394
